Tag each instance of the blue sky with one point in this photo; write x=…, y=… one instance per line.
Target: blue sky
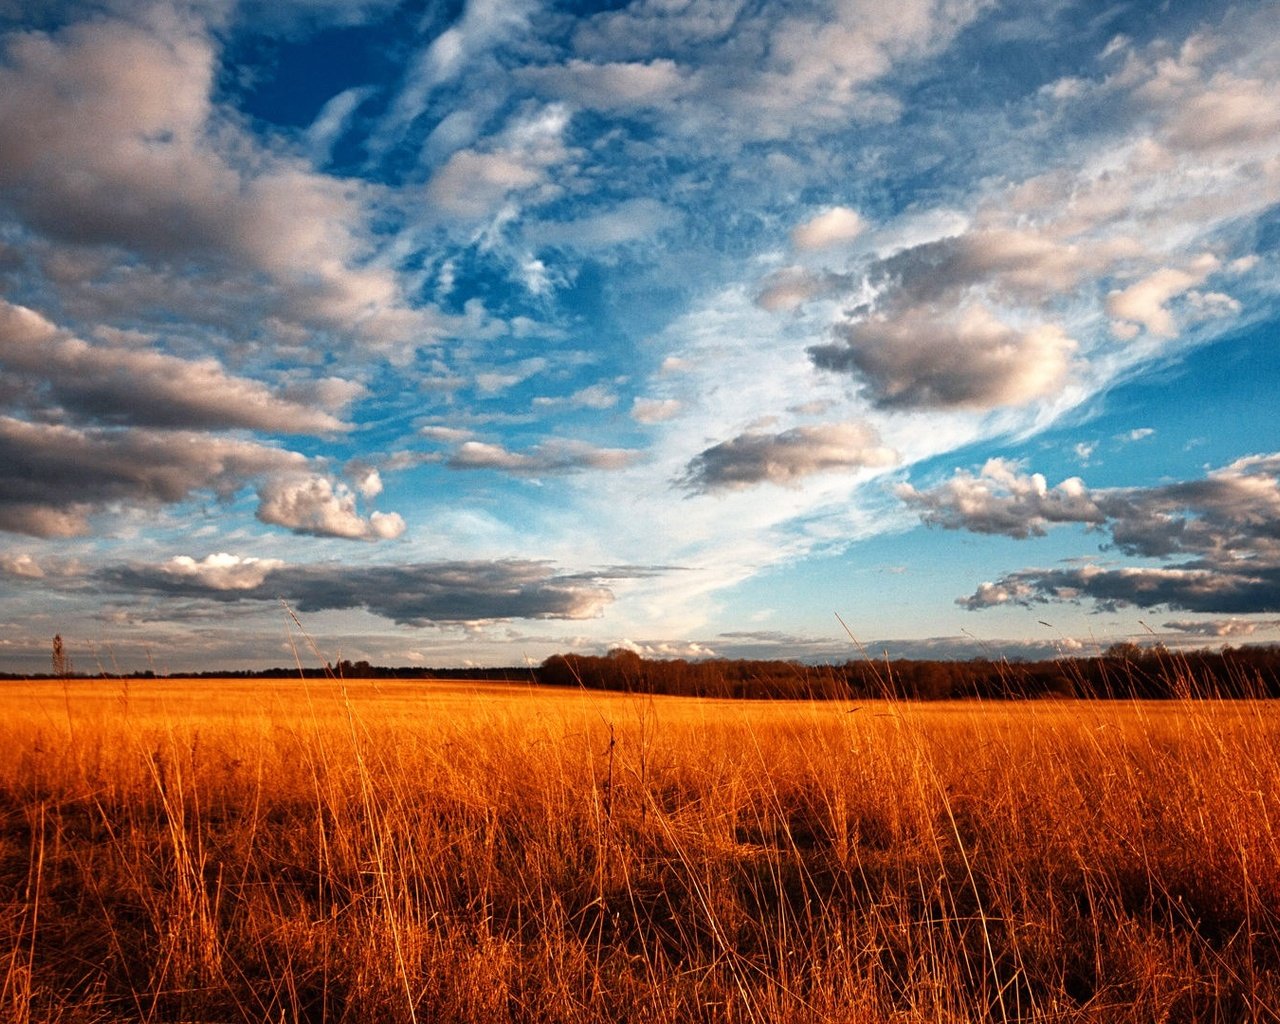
x=506, y=328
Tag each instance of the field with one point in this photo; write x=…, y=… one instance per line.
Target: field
x=419, y=851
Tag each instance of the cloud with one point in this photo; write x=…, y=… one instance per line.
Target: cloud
x=611, y=85
x=483, y=26
x=1232, y=510
x=1216, y=591
x=1231, y=112
x=104, y=383
x=221, y=571
x=110, y=137
x=1001, y=500
x=548, y=458
x=1007, y=262
x=414, y=594
x=655, y=410
x=1220, y=627
x=786, y=458
x=1223, y=526
x=833, y=227
x=21, y=565
x=53, y=477
x=974, y=361
x=475, y=183
x=315, y=505
x=789, y=288
x=1144, y=304
x=593, y=396
x=633, y=220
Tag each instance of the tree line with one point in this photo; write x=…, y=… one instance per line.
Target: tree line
x=1123, y=670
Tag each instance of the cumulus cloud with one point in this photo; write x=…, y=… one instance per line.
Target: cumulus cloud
x=1145, y=303
x=103, y=383
x=21, y=565
x=221, y=571
x=1010, y=263
x=1002, y=500
x=786, y=458
x=832, y=227
x=316, y=505
x=53, y=476
x=110, y=137
x=1223, y=526
x=1100, y=238
x=974, y=361
x=548, y=458
x=414, y=594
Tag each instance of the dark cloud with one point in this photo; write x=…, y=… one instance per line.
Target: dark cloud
x=972, y=360
x=414, y=594
x=1219, y=590
x=53, y=477
x=1225, y=526
x=1233, y=511
x=111, y=137
x=785, y=458
x=103, y=383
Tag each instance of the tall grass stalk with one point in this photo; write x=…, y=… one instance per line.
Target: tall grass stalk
x=341, y=850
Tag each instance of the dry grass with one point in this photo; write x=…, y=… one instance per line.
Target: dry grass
x=364, y=852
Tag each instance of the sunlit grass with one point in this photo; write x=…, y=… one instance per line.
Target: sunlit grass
x=415, y=851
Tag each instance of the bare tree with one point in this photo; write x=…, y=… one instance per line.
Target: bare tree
x=61, y=659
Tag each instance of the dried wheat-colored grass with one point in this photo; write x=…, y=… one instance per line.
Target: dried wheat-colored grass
x=327, y=851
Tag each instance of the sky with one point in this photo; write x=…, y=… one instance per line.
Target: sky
x=468, y=333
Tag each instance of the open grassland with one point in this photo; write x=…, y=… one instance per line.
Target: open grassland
x=244, y=850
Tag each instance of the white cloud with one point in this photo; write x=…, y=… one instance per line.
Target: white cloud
x=475, y=184
x=654, y=410
x=1144, y=304
x=630, y=221
x=830, y=228
x=222, y=571
x=316, y=505
x=613, y=85
x=1001, y=499
x=22, y=565
x=483, y=26
x=1223, y=523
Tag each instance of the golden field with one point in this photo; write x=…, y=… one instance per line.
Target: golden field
x=360, y=851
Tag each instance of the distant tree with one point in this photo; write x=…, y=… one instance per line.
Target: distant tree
x=1125, y=650
x=61, y=660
